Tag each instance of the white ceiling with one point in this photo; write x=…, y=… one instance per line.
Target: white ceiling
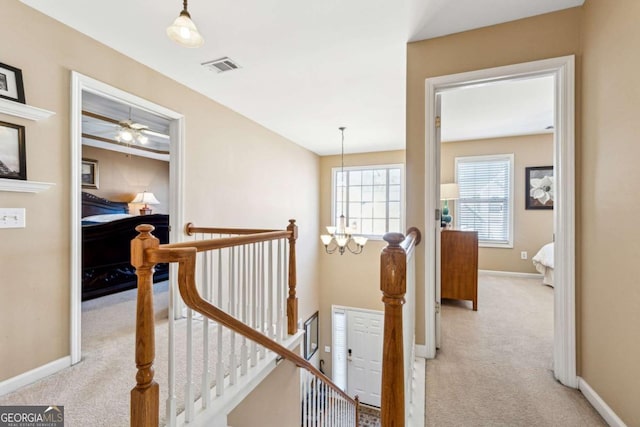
x=505, y=108
x=307, y=67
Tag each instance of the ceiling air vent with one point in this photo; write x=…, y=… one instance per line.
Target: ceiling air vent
x=221, y=65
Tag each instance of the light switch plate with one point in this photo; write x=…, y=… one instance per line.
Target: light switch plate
x=12, y=218
x=327, y=349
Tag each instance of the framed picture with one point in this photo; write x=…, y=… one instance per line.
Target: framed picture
x=13, y=159
x=11, y=86
x=311, y=336
x=539, y=187
x=89, y=175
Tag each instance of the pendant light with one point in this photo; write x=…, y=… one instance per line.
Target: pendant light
x=340, y=237
x=184, y=31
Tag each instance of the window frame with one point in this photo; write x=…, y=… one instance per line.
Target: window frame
x=510, y=227
x=334, y=175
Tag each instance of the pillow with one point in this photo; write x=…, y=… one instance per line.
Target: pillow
x=97, y=219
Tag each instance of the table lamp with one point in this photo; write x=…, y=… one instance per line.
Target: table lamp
x=448, y=192
x=147, y=199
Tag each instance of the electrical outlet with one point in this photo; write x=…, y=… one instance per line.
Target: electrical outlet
x=12, y=218
x=524, y=255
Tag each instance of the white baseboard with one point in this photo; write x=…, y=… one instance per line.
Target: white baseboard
x=600, y=405
x=12, y=384
x=420, y=351
x=511, y=273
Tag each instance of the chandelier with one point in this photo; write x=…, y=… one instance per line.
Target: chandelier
x=340, y=237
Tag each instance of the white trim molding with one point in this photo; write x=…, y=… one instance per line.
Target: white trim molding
x=563, y=71
x=421, y=351
x=599, y=405
x=510, y=274
x=26, y=378
x=81, y=83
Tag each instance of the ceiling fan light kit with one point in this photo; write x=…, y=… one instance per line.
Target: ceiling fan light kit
x=183, y=31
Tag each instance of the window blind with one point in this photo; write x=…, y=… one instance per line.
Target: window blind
x=485, y=205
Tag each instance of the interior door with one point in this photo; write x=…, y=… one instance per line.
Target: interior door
x=436, y=224
x=364, y=355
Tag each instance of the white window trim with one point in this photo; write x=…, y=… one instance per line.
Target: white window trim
x=334, y=172
x=484, y=243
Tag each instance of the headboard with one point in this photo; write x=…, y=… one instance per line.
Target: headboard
x=94, y=205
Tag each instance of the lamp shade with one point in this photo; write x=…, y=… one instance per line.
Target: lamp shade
x=146, y=198
x=449, y=191
x=184, y=31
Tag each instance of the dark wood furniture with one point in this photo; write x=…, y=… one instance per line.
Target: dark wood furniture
x=459, y=265
x=106, y=248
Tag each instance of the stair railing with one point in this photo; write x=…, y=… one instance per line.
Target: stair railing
x=397, y=280
x=251, y=318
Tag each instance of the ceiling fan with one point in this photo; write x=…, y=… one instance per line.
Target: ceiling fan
x=127, y=131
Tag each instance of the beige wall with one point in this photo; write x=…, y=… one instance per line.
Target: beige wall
x=121, y=176
x=609, y=237
x=348, y=280
x=545, y=36
x=603, y=35
x=274, y=403
x=237, y=174
x=532, y=228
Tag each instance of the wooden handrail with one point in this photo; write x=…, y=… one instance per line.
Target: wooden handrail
x=191, y=229
x=146, y=252
x=186, y=259
x=393, y=284
x=227, y=242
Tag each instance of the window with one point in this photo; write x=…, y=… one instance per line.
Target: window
x=486, y=198
x=370, y=197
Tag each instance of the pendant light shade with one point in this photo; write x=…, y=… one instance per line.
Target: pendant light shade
x=184, y=31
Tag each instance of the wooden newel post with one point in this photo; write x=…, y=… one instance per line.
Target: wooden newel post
x=292, y=300
x=145, y=397
x=393, y=284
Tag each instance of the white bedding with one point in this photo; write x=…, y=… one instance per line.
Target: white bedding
x=543, y=261
x=105, y=218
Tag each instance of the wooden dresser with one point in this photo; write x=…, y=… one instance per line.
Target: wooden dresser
x=459, y=265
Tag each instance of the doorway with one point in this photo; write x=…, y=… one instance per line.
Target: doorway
x=562, y=70
x=80, y=85
x=357, y=352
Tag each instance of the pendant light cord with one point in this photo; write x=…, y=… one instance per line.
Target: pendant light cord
x=344, y=179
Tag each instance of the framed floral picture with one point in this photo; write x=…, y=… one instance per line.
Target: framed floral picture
x=539, y=187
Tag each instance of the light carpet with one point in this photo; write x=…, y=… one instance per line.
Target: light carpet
x=95, y=392
x=495, y=365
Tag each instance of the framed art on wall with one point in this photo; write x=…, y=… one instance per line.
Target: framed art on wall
x=539, y=191
x=89, y=173
x=11, y=86
x=311, y=336
x=13, y=160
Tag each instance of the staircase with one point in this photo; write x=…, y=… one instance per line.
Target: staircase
x=236, y=314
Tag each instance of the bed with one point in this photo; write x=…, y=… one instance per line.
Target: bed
x=107, y=231
x=543, y=261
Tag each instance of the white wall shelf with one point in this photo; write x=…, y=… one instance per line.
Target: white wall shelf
x=24, y=111
x=24, y=186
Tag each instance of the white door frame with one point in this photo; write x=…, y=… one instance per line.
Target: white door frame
x=563, y=69
x=80, y=83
